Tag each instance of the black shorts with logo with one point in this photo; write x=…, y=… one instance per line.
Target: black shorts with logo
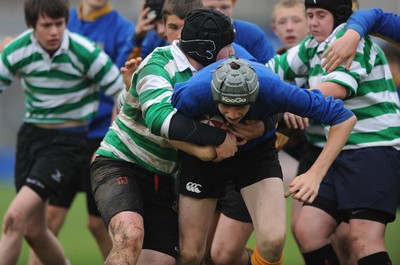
x=363, y=184
x=48, y=159
x=201, y=179
x=80, y=183
x=123, y=186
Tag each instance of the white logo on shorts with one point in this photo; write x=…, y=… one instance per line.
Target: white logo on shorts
x=35, y=182
x=57, y=176
x=193, y=187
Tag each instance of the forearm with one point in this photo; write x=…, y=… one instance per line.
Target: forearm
x=205, y=153
x=305, y=186
x=337, y=137
x=182, y=128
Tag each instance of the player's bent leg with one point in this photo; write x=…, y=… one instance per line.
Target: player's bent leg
x=127, y=233
x=312, y=231
x=230, y=248
x=195, y=217
x=313, y=219
x=210, y=237
x=55, y=220
x=42, y=241
x=44, y=244
x=266, y=204
x=367, y=237
x=98, y=230
x=296, y=207
x=15, y=222
x=342, y=245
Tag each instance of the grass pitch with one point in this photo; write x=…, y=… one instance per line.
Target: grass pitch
x=81, y=248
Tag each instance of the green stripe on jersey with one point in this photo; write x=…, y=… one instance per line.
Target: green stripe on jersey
x=371, y=94
x=63, y=87
x=137, y=134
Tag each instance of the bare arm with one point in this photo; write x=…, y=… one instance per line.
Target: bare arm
x=332, y=89
x=205, y=153
x=305, y=187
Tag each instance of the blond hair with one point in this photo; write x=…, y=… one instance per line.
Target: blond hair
x=286, y=4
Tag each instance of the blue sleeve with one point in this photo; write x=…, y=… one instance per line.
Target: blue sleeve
x=277, y=96
x=241, y=52
x=375, y=21
x=193, y=98
x=252, y=38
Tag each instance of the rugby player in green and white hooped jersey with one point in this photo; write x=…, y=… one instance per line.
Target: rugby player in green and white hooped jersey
x=133, y=176
x=362, y=186
x=78, y=69
x=61, y=74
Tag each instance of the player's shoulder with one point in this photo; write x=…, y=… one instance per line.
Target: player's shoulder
x=119, y=19
x=242, y=25
x=22, y=40
x=76, y=38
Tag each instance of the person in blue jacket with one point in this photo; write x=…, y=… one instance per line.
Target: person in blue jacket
x=150, y=31
x=92, y=19
x=248, y=35
x=240, y=90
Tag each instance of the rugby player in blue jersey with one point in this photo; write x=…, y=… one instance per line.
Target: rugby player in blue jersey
x=237, y=91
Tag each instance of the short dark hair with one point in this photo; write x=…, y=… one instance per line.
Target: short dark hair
x=180, y=8
x=52, y=8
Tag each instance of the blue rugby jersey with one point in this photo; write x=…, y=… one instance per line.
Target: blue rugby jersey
x=194, y=99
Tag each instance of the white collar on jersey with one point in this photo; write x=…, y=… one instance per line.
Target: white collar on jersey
x=180, y=58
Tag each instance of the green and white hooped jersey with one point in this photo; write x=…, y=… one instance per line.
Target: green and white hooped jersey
x=371, y=94
x=140, y=130
x=63, y=87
